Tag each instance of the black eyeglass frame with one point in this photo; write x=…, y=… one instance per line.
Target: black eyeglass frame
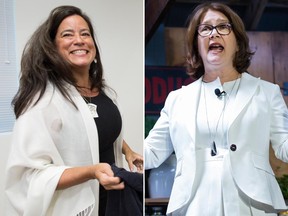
x=229, y=25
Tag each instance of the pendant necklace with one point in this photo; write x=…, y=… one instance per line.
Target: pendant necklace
x=213, y=144
x=92, y=107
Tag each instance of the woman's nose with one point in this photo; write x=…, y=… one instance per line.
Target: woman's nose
x=78, y=39
x=214, y=33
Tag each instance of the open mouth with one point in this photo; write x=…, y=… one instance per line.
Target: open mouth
x=216, y=47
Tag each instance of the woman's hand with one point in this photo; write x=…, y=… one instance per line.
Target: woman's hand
x=132, y=158
x=105, y=176
x=102, y=172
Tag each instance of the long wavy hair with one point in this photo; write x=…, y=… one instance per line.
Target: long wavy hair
x=242, y=59
x=41, y=62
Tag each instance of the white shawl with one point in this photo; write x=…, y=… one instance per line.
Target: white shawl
x=47, y=139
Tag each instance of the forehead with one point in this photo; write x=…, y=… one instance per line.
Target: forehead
x=213, y=15
x=74, y=21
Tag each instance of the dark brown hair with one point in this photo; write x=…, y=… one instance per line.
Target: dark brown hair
x=241, y=62
x=41, y=62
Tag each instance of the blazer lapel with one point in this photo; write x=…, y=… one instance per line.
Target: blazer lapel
x=248, y=86
x=191, y=100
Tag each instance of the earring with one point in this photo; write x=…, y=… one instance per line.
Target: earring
x=95, y=61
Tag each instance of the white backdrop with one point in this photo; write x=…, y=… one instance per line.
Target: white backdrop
x=120, y=35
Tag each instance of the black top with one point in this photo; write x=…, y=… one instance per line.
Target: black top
x=109, y=124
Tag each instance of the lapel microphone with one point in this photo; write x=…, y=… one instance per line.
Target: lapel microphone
x=218, y=93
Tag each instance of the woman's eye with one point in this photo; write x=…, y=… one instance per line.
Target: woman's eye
x=87, y=34
x=67, y=35
x=206, y=28
x=224, y=26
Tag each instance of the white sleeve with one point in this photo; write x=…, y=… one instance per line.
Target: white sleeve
x=32, y=174
x=158, y=145
x=279, y=125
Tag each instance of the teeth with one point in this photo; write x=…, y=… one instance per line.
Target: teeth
x=79, y=52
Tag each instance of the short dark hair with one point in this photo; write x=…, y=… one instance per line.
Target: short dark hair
x=242, y=59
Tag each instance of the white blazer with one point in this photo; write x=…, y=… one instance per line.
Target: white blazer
x=47, y=139
x=259, y=116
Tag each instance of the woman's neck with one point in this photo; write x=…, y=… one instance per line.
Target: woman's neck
x=88, y=92
x=84, y=87
x=224, y=76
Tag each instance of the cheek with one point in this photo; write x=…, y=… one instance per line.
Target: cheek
x=93, y=48
x=234, y=47
x=201, y=46
x=94, y=51
x=62, y=51
x=63, y=44
x=233, y=44
x=60, y=48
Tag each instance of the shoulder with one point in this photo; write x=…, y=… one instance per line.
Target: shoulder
x=248, y=77
x=39, y=101
x=110, y=93
x=187, y=89
x=265, y=87
x=51, y=99
x=185, y=93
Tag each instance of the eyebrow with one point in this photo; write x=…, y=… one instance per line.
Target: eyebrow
x=218, y=20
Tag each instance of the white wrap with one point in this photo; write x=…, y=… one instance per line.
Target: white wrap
x=48, y=138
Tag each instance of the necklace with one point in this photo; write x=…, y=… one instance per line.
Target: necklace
x=213, y=145
x=87, y=93
x=92, y=107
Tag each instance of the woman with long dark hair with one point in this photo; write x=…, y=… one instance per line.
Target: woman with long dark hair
x=68, y=126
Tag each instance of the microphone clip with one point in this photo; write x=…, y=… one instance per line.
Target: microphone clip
x=219, y=93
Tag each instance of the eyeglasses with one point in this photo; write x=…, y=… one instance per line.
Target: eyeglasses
x=206, y=29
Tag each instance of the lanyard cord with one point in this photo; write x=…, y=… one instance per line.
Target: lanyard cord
x=212, y=138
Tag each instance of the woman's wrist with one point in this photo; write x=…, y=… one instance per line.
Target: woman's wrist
x=76, y=175
x=125, y=148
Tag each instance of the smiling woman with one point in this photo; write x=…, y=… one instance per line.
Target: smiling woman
x=68, y=131
x=75, y=44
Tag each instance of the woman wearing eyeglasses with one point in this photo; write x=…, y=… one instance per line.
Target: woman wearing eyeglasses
x=220, y=126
